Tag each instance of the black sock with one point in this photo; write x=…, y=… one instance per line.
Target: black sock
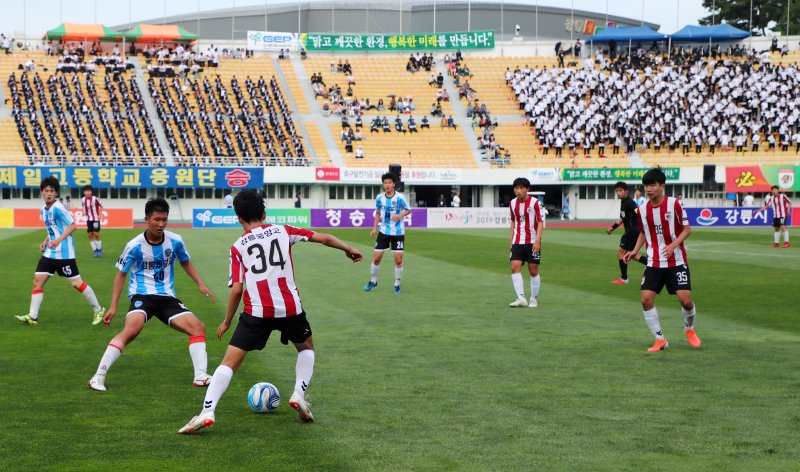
x=623, y=269
x=642, y=259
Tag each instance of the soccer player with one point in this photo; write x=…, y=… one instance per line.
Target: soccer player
x=262, y=268
x=390, y=209
x=663, y=226
x=58, y=254
x=93, y=210
x=638, y=197
x=627, y=218
x=150, y=259
x=526, y=242
x=781, y=207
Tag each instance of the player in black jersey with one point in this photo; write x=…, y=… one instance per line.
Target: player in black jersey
x=627, y=218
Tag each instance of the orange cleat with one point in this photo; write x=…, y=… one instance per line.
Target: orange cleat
x=659, y=345
x=786, y=244
x=691, y=335
x=619, y=281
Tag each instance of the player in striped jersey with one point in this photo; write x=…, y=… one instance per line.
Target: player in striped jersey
x=390, y=210
x=262, y=269
x=93, y=210
x=781, y=208
x=150, y=259
x=663, y=226
x=58, y=254
x=526, y=242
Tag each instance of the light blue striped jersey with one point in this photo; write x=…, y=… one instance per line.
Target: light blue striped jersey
x=56, y=219
x=386, y=208
x=152, y=267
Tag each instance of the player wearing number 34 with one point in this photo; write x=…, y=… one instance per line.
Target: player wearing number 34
x=150, y=259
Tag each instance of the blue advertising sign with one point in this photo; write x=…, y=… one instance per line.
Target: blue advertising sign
x=226, y=217
x=728, y=217
x=134, y=177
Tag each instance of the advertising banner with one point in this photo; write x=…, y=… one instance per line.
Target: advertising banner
x=226, y=217
x=625, y=174
x=728, y=217
x=134, y=177
x=469, y=218
x=373, y=175
x=272, y=41
x=360, y=218
x=761, y=179
x=110, y=218
x=398, y=42
x=6, y=217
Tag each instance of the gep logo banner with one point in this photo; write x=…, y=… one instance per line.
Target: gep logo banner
x=272, y=41
x=214, y=218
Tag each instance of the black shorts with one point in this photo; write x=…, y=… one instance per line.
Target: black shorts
x=778, y=222
x=92, y=226
x=675, y=278
x=163, y=307
x=524, y=252
x=65, y=267
x=628, y=240
x=252, y=332
x=395, y=243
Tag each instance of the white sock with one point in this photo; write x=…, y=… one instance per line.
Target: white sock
x=94, y=246
x=651, y=318
x=109, y=357
x=688, y=317
x=373, y=273
x=516, y=279
x=197, y=350
x=88, y=294
x=398, y=275
x=303, y=371
x=777, y=237
x=219, y=383
x=99, y=244
x=535, y=284
x=786, y=236
x=36, y=301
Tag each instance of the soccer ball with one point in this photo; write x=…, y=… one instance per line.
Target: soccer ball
x=263, y=397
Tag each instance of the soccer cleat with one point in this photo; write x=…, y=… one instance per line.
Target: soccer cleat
x=620, y=281
x=99, y=253
x=397, y=290
x=98, y=316
x=96, y=254
x=776, y=245
x=303, y=408
x=786, y=244
x=659, y=345
x=518, y=303
x=533, y=303
x=201, y=380
x=97, y=383
x=26, y=319
x=370, y=285
x=203, y=420
x=691, y=335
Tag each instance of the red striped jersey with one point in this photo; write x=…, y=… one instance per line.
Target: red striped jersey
x=526, y=218
x=91, y=208
x=780, y=205
x=261, y=260
x=661, y=225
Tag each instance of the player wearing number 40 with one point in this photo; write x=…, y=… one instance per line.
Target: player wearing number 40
x=150, y=259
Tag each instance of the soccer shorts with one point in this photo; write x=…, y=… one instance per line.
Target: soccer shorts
x=65, y=267
x=252, y=332
x=675, y=278
x=524, y=253
x=778, y=222
x=165, y=308
x=395, y=243
x=92, y=226
x=628, y=240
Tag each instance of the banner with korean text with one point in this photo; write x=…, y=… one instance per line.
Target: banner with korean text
x=360, y=218
x=398, y=42
x=625, y=174
x=761, y=178
x=226, y=217
x=134, y=177
x=728, y=217
x=110, y=218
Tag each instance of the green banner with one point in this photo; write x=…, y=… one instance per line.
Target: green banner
x=397, y=42
x=300, y=217
x=673, y=173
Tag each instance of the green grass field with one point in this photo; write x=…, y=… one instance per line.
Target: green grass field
x=442, y=377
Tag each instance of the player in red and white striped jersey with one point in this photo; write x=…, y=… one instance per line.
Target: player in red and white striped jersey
x=93, y=210
x=663, y=226
x=781, y=207
x=261, y=269
x=526, y=242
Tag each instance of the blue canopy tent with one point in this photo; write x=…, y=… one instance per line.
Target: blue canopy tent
x=627, y=34
x=724, y=32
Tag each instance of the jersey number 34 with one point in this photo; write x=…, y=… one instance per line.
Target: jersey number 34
x=275, y=257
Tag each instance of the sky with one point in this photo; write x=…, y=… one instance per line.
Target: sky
x=38, y=16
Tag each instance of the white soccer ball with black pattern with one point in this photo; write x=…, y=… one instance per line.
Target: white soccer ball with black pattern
x=263, y=397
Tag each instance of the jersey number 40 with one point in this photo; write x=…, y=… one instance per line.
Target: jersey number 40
x=275, y=256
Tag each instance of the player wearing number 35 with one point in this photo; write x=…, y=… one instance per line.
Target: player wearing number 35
x=150, y=259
